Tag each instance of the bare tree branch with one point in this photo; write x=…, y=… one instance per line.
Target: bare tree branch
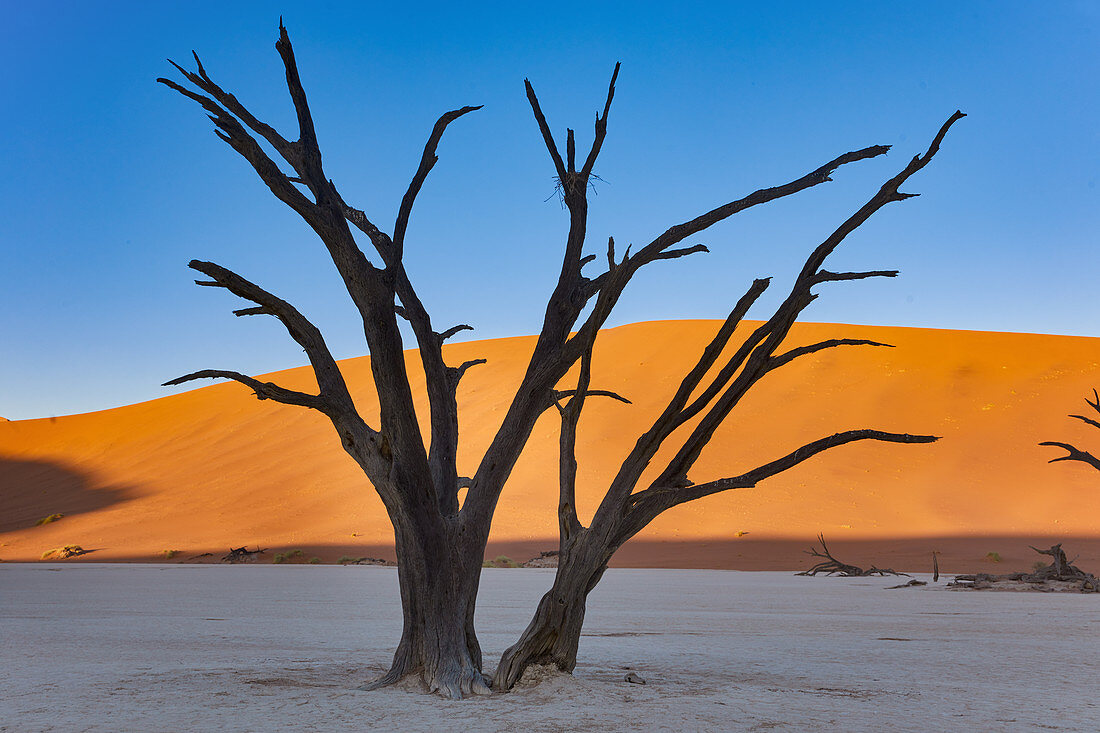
x=234, y=134
x=310, y=170
x=263, y=390
x=824, y=276
x=678, y=233
x=888, y=193
x=769, y=336
x=547, y=136
x=454, y=330
x=656, y=499
x=561, y=394
x=789, y=356
x=672, y=254
x=460, y=370
x=1088, y=420
x=1073, y=454
x=601, y=128
x=568, y=523
x=334, y=391
x=427, y=161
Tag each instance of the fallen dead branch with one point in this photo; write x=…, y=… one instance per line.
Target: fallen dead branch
x=241, y=554
x=911, y=584
x=831, y=566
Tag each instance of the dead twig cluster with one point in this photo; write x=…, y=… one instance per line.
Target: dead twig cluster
x=831, y=566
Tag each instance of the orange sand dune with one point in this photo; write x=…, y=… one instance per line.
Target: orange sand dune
x=214, y=468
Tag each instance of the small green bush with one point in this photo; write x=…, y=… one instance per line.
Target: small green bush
x=993, y=556
x=315, y=561
x=169, y=554
x=48, y=520
x=289, y=556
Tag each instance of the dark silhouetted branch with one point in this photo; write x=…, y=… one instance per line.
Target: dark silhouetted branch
x=427, y=161
x=789, y=356
x=1073, y=454
x=263, y=390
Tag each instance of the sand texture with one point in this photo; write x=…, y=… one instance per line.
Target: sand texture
x=215, y=468
x=262, y=648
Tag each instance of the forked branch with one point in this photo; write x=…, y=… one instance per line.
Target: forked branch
x=334, y=395
x=1072, y=452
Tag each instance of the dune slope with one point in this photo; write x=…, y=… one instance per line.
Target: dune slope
x=213, y=468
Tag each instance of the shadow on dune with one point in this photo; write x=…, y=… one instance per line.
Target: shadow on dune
x=33, y=489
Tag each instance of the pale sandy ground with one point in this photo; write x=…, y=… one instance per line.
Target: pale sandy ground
x=264, y=648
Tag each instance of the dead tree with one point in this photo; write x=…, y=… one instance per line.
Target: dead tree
x=1073, y=453
x=1060, y=571
x=440, y=542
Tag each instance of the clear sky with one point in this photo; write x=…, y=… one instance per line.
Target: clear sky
x=110, y=183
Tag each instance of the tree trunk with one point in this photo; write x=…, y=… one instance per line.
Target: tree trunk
x=438, y=574
x=554, y=633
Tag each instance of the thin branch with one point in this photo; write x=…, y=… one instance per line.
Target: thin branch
x=1088, y=420
x=233, y=133
x=427, y=161
x=776, y=329
x=547, y=136
x=263, y=390
x=886, y=194
x=678, y=233
x=672, y=417
x=257, y=311
x=458, y=371
x=310, y=169
x=561, y=394
x=654, y=500
x=201, y=80
x=454, y=330
x=334, y=392
x=671, y=254
x=601, y=127
x=789, y=356
x=1073, y=454
x=1094, y=403
x=824, y=276
x=568, y=523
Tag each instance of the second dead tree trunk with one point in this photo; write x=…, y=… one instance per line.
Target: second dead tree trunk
x=440, y=541
x=704, y=400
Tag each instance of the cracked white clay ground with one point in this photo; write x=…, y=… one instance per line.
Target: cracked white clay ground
x=261, y=648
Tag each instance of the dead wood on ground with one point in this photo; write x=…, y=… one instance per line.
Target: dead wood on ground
x=1061, y=575
x=831, y=566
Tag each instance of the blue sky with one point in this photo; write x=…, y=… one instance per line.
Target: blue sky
x=110, y=183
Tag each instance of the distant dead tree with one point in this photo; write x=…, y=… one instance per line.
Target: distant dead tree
x=440, y=541
x=1075, y=454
